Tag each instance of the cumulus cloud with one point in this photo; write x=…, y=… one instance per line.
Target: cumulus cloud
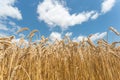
x=3, y=27
x=98, y=36
x=13, y=27
x=9, y=27
x=55, y=36
x=69, y=34
x=79, y=38
x=58, y=36
x=7, y=9
x=3, y=34
x=107, y=5
x=95, y=16
x=94, y=37
x=55, y=13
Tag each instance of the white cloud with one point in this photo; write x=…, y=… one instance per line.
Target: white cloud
x=13, y=27
x=107, y=5
x=12, y=23
x=55, y=35
x=7, y=9
x=21, y=42
x=58, y=36
x=55, y=13
x=94, y=37
x=98, y=36
x=3, y=34
x=69, y=34
x=79, y=38
x=95, y=16
x=9, y=27
x=22, y=35
x=3, y=27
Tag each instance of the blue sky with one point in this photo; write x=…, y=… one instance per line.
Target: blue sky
x=56, y=18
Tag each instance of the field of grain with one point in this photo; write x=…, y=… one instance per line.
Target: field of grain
x=61, y=60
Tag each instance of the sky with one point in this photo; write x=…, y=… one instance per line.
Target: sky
x=56, y=18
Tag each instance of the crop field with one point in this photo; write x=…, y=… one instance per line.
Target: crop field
x=60, y=60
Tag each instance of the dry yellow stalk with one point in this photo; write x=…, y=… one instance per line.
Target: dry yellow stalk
x=2, y=57
x=114, y=30
x=60, y=61
x=114, y=44
x=32, y=33
x=15, y=69
x=22, y=29
x=7, y=38
x=90, y=42
x=6, y=44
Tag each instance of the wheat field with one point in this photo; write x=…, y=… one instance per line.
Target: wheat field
x=61, y=60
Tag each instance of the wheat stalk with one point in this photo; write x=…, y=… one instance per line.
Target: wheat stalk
x=7, y=38
x=114, y=30
x=32, y=33
x=61, y=60
x=15, y=69
x=22, y=29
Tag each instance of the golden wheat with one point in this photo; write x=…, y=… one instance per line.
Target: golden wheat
x=115, y=31
x=32, y=33
x=7, y=38
x=22, y=29
x=61, y=60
